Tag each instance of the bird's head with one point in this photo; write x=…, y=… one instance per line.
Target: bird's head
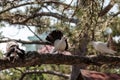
x=64, y=38
x=11, y=44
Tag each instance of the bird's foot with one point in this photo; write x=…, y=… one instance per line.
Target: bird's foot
x=14, y=58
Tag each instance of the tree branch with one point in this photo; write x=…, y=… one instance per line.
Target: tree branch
x=34, y=58
x=26, y=42
x=15, y=7
x=116, y=14
x=26, y=20
x=30, y=3
x=44, y=72
x=106, y=9
x=56, y=15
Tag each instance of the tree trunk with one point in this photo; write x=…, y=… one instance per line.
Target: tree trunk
x=81, y=52
x=76, y=72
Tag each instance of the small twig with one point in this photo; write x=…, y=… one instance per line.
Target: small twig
x=37, y=37
x=67, y=6
x=47, y=8
x=66, y=76
x=26, y=42
x=76, y=8
x=18, y=70
x=102, y=4
x=111, y=18
x=65, y=9
x=34, y=33
x=116, y=14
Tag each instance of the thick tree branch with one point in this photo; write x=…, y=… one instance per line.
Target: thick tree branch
x=21, y=19
x=30, y=3
x=27, y=20
x=44, y=72
x=106, y=9
x=35, y=58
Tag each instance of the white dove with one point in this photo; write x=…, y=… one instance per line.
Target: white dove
x=59, y=41
x=102, y=47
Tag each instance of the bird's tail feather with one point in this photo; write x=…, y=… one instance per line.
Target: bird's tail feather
x=111, y=51
x=54, y=35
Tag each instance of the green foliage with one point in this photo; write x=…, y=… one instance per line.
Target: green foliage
x=115, y=25
x=90, y=25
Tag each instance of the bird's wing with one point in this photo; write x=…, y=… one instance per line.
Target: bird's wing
x=20, y=52
x=102, y=47
x=56, y=43
x=8, y=53
x=54, y=35
x=110, y=51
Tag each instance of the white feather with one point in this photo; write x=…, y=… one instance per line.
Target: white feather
x=59, y=45
x=102, y=47
x=9, y=44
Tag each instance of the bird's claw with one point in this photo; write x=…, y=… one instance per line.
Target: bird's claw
x=14, y=59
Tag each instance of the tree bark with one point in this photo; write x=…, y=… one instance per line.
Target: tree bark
x=44, y=72
x=34, y=58
x=80, y=52
x=26, y=42
x=107, y=8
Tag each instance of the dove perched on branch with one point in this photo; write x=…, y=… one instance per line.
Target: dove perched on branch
x=58, y=40
x=102, y=47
